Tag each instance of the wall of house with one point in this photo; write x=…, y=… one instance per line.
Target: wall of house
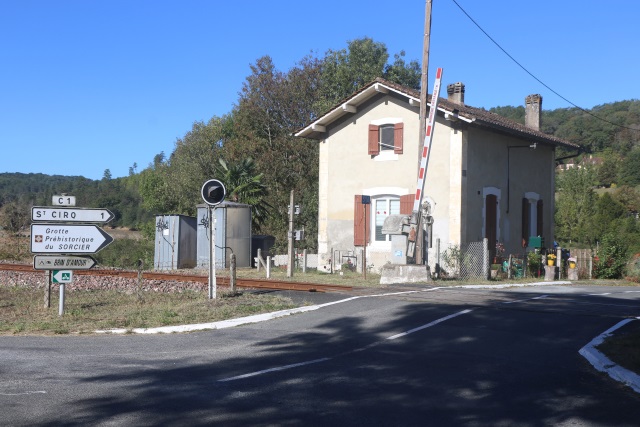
x=531, y=173
x=346, y=169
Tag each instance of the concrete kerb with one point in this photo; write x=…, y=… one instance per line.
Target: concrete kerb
x=274, y=315
x=589, y=351
x=603, y=364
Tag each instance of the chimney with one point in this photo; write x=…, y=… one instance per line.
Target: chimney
x=532, y=110
x=455, y=93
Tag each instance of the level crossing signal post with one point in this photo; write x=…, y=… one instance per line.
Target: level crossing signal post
x=213, y=193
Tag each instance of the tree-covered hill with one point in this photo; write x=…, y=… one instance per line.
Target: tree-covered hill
x=19, y=192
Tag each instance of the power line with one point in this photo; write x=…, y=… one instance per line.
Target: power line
x=534, y=77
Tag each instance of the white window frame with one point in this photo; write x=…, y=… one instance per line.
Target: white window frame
x=376, y=194
x=387, y=154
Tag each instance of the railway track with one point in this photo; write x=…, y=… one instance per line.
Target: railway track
x=222, y=281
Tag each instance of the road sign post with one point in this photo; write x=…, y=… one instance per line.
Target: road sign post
x=61, y=277
x=66, y=232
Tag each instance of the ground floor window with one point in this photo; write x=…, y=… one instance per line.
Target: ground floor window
x=383, y=207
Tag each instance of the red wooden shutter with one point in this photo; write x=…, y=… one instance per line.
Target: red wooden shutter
x=525, y=222
x=374, y=147
x=406, y=204
x=398, y=131
x=361, y=220
x=540, y=224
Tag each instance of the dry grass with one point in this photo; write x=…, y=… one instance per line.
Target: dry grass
x=22, y=310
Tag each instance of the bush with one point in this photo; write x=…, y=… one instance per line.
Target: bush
x=125, y=253
x=633, y=269
x=534, y=263
x=612, y=258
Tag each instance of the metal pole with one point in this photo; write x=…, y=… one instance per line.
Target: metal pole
x=364, y=249
x=47, y=291
x=61, y=305
x=291, y=254
x=212, y=254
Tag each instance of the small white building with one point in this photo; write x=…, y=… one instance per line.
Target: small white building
x=488, y=177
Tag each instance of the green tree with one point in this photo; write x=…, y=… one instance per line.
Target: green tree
x=612, y=257
x=607, y=216
x=400, y=72
x=575, y=205
x=15, y=216
x=630, y=168
x=273, y=105
x=608, y=171
x=347, y=70
x=173, y=185
x=629, y=198
x=244, y=185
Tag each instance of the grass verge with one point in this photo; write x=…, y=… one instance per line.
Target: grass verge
x=22, y=310
x=623, y=348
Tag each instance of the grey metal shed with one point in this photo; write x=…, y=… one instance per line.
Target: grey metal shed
x=175, y=242
x=233, y=234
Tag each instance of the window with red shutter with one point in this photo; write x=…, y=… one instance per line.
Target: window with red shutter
x=398, y=131
x=406, y=204
x=374, y=144
x=386, y=137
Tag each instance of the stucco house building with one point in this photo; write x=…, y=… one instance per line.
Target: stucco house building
x=488, y=177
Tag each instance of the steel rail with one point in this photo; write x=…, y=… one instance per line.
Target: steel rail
x=223, y=281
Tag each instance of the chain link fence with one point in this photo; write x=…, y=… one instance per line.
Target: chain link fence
x=466, y=263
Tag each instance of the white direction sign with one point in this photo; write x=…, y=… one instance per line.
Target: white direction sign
x=68, y=238
x=67, y=214
x=62, y=276
x=69, y=262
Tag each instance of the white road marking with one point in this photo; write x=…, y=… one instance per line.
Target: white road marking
x=526, y=299
x=324, y=359
x=278, y=368
x=24, y=393
x=428, y=325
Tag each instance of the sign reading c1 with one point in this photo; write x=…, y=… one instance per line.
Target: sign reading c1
x=213, y=192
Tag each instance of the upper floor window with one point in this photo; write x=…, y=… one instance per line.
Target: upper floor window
x=385, y=137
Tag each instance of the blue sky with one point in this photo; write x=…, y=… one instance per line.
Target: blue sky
x=88, y=85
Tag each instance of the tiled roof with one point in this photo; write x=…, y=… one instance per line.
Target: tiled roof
x=475, y=116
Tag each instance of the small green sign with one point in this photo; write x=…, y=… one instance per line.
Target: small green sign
x=62, y=276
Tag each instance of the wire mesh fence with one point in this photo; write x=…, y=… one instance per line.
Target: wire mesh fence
x=466, y=263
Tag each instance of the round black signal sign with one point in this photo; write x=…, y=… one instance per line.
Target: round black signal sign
x=213, y=192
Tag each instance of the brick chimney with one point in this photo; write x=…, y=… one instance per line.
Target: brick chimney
x=455, y=93
x=532, y=110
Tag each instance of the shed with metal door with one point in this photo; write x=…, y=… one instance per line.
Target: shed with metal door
x=233, y=234
x=175, y=242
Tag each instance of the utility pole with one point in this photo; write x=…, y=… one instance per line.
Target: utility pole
x=291, y=237
x=423, y=115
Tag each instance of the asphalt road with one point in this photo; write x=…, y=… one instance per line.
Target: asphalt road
x=438, y=357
